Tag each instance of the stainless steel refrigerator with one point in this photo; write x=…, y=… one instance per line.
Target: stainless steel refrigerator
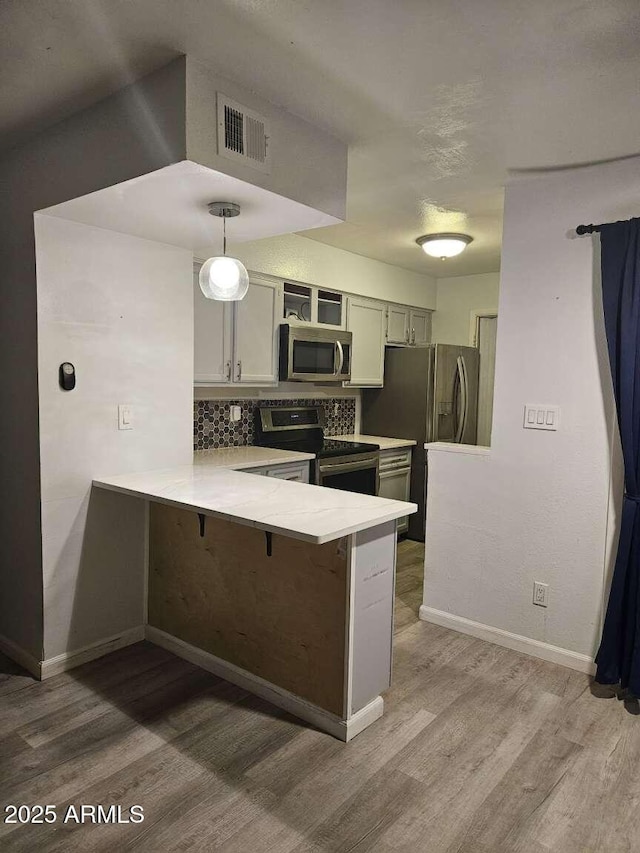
x=430, y=394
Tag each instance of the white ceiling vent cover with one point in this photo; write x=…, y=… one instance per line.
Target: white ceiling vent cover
x=243, y=135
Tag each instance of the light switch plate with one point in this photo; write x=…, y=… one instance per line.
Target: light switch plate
x=539, y=416
x=125, y=419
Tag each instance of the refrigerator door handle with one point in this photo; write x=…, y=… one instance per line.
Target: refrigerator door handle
x=466, y=398
x=455, y=403
x=464, y=392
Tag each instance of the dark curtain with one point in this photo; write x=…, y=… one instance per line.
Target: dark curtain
x=618, y=659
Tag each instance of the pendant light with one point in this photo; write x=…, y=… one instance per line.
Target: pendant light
x=223, y=278
x=444, y=245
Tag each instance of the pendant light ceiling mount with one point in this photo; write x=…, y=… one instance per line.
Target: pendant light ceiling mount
x=223, y=278
x=443, y=246
x=225, y=209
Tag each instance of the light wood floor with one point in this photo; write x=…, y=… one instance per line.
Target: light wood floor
x=409, y=576
x=480, y=750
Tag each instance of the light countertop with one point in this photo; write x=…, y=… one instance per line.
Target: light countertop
x=451, y=447
x=382, y=441
x=310, y=513
x=241, y=458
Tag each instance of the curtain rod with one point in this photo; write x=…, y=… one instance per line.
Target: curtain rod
x=591, y=229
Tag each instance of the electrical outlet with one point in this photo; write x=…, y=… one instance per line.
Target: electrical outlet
x=235, y=413
x=540, y=594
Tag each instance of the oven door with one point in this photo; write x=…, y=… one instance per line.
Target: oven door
x=314, y=355
x=357, y=473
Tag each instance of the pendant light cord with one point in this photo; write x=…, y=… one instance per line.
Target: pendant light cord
x=224, y=235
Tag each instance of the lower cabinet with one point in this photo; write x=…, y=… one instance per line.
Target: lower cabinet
x=296, y=471
x=395, y=479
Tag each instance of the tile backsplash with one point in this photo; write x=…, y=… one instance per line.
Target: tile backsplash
x=212, y=427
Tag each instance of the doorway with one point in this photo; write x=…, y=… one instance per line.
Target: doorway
x=485, y=340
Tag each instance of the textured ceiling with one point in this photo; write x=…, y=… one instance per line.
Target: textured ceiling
x=438, y=101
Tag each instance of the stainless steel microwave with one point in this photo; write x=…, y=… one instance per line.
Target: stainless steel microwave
x=312, y=354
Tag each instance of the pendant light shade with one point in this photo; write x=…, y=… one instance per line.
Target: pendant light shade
x=444, y=245
x=223, y=278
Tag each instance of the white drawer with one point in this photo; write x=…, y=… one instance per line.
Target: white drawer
x=298, y=471
x=392, y=459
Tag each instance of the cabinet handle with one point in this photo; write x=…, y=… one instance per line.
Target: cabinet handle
x=228, y=371
x=394, y=463
x=413, y=336
x=399, y=466
x=239, y=371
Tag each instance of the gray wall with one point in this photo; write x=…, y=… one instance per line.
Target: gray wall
x=308, y=165
x=132, y=133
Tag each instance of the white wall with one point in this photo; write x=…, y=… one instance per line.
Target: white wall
x=129, y=134
x=536, y=507
x=303, y=259
x=120, y=309
x=459, y=298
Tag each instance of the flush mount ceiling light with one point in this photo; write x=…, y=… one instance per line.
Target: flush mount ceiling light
x=224, y=278
x=444, y=245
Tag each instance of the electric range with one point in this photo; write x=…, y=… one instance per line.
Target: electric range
x=348, y=465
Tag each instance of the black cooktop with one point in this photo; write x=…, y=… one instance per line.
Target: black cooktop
x=325, y=447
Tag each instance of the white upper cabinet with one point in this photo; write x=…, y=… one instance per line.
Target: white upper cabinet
x=306, y=303
x=255, y=323
x=408, y=326
x=419, y=327
x=236, y=342
x=397, y=324
x=212, y=351
x=366, y=320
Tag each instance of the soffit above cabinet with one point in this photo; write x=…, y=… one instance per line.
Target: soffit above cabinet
x=170, y=206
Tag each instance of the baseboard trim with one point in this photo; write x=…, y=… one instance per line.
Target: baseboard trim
x=517, y=642
x=20, y=656
x=69, y=660
x=363, y=718
x=344, y=730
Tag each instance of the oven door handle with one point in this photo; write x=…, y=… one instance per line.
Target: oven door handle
x=341, y=467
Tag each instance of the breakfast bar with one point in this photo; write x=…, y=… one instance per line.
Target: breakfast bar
x=281, y=587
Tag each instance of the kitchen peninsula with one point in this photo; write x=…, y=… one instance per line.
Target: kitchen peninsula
x=281, y=587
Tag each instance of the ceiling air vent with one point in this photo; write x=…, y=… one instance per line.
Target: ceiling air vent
x=242, y=134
